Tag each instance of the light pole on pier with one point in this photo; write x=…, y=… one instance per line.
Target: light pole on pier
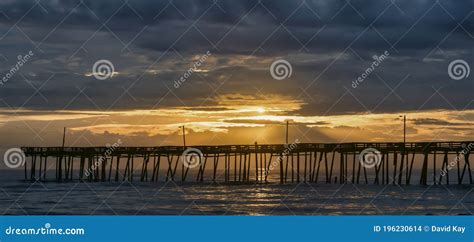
x=184, y=137
x=64, y=137
x=404, y=128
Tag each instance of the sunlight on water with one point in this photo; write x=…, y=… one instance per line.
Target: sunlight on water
x=245, y=199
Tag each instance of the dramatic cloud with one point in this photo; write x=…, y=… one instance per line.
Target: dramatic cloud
x=214, y=57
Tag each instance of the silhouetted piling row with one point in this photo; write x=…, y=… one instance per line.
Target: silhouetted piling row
x=313, y=163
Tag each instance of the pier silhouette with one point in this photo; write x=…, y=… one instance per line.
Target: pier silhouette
x=303, y=162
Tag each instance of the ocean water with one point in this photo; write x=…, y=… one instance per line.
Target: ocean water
x=176, y=198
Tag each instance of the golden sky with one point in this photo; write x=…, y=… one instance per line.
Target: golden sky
x=236, y=119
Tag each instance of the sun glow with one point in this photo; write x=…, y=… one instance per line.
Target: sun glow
x=242, y=119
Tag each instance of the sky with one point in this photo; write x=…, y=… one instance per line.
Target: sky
x=354, y=68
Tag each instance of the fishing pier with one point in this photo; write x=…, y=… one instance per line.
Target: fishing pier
x=392, y=163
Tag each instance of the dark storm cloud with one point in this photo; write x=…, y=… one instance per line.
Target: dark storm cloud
x=152, y=43
x=433, y=121
x=168, y=21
